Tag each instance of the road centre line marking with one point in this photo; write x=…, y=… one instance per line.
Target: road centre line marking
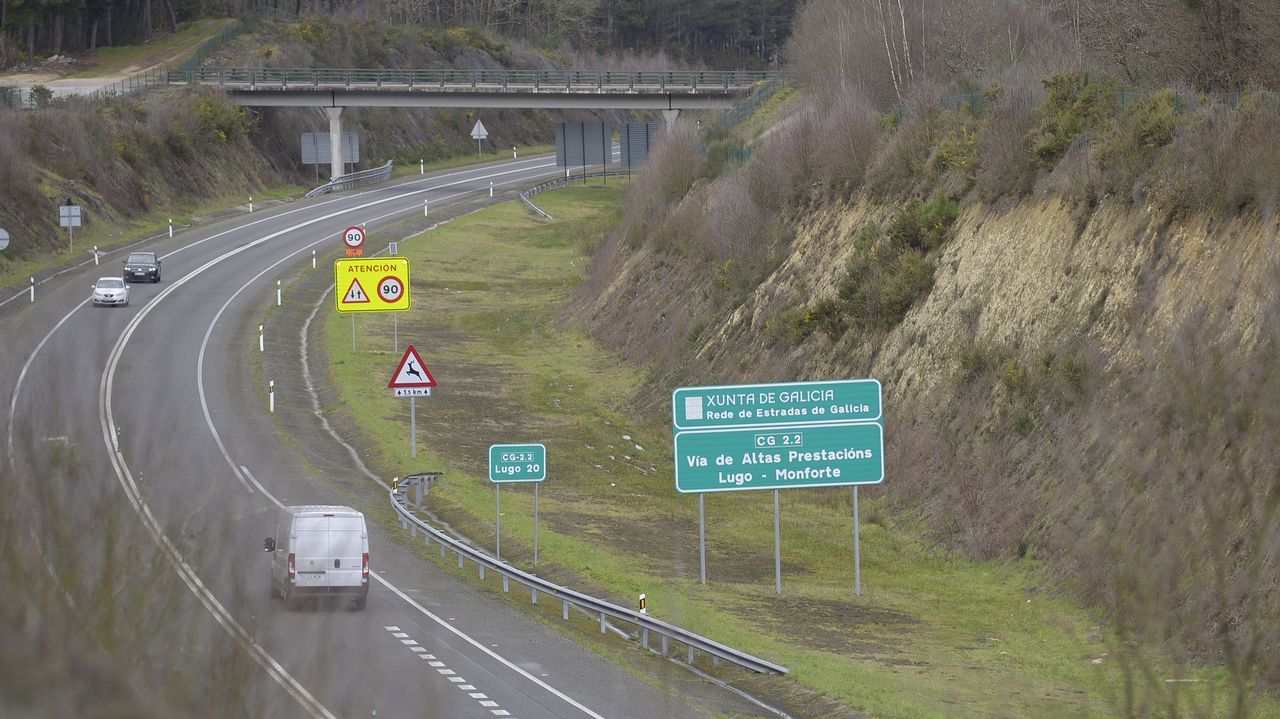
x=204, y=344
x=132, y=493
x=31, y=358
x=124, y=475
x=13, y=402
x=375, y=575
x=171, y=554
x=131, y=245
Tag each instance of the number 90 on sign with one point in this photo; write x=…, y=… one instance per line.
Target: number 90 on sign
x=390, y=289
x=353, y=237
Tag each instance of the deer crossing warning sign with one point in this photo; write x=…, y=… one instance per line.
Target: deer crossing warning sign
x=366, y=284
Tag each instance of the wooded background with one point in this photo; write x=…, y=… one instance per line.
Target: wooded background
x=740, y=31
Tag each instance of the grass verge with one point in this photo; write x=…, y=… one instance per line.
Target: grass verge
x=932, y=635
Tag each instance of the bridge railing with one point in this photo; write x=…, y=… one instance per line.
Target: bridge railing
x=596, y=608
x=462, y=80
x=354, y=179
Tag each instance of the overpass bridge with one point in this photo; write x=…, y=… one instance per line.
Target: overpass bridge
x=334, y=89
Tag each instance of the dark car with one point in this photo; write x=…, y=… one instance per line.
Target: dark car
x=142, y=266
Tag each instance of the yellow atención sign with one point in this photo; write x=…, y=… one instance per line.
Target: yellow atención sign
x=366, y=284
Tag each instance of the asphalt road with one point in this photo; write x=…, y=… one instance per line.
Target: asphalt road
x=169, y=438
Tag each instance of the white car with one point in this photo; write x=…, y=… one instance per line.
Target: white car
x=111, y=291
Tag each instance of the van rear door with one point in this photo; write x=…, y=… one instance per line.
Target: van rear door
x=310, y=549
x=346, y=551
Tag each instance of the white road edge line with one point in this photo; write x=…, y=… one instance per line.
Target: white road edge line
x=494, y=655
x=235, y=468
x=124, y=475
x=170, y=552
x=13, y=402
x=17, y=387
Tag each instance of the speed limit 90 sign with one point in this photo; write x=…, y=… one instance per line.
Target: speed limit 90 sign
x=353, y=237
x=391, y=289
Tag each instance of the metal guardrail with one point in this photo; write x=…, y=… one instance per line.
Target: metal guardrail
x=354, y=179
x=596, y=607
x=561, y=182
x=470, y=80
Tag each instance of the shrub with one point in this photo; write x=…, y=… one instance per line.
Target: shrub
x=723, y=154
x=1128, y=147
x=1076, y=104
x=219, y=121
x=908, y=280
x=976, y=361
x=1023, y=422
x=178, y=142
x=41, y=95
x=1006, y=163
x=845, y=146
x=958, y=151
x=1223, y=158
x=924, y=226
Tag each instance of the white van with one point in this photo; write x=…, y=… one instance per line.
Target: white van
x=319, y=551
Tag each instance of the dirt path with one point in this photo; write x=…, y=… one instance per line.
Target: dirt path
x=68, y=76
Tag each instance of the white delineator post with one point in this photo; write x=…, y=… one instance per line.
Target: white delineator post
x=33, y=289
x=490, y=188
x=271, y=396
x=250, y=203
x=513, y=152
x=279, y=297
x=424, y=207
x=313, y=259
x=171, y=227
x=260, y=345
x=95, y=255
x=422, y=167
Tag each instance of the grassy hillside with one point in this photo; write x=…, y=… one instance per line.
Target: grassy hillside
x=1069, y=298
x=934, y=635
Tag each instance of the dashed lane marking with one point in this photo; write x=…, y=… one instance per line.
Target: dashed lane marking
x=481, y=698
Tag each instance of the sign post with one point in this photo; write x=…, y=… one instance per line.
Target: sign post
x=857, y=560
x=778, y=436
x=479, y=133
x=516, y=463
x=412, y=379
x=69, y=217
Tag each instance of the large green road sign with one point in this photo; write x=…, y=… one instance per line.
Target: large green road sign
x=779, y=457
x=517, y=462
x=766, y=405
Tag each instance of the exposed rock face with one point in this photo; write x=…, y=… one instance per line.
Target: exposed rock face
x=1096, y=388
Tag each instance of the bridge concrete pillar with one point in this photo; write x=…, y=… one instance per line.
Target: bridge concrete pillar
x=670, y=116
x=335, y=141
